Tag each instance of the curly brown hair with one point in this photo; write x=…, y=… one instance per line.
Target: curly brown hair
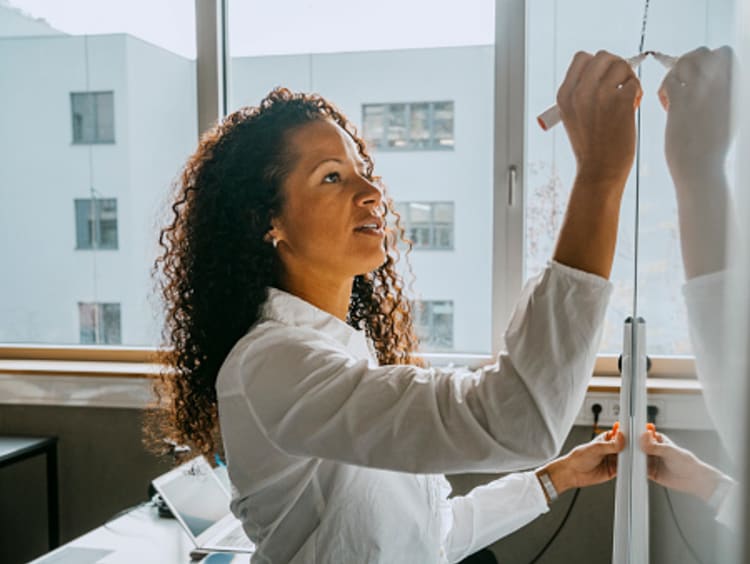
x=215, y=267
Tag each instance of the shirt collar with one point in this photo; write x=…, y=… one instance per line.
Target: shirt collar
x=291, y=310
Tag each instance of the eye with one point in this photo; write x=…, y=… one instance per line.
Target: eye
x=331, y=177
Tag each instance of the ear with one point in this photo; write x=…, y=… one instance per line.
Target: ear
x=274, y=233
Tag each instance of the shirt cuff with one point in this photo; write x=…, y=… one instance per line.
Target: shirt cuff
x=537, y=493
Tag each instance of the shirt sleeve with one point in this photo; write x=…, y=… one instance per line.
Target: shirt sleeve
x=491, y=512
x=716, y=367
x=727, y=507
x=312, y=398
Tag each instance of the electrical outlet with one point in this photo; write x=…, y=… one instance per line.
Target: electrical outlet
x=661, y=416
x=613, y=410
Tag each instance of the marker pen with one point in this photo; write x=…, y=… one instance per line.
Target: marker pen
x=550, y=117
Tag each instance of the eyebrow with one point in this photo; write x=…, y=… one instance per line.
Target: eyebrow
x=363, y=164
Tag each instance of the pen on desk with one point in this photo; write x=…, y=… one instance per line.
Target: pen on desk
x=550, y=117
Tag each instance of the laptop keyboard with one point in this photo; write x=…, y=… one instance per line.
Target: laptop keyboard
x=236, y=538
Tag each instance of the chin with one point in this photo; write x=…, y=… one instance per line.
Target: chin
x=374, y=262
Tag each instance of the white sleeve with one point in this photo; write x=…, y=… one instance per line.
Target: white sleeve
x=728, y=511
x=716, y=367
x=491, y=512
x=313, y=399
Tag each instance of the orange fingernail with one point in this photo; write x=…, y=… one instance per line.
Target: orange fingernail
x=664, y=100
x=650, y=427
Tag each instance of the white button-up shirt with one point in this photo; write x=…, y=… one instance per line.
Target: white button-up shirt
x=334, y=459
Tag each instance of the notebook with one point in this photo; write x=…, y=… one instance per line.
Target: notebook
x=200, y=502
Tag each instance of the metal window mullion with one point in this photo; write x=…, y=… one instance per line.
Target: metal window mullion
x=433, y=234
x=94, y=105
x=431, y=124
x=212, y=61
x=509, y=150
x=407, y=125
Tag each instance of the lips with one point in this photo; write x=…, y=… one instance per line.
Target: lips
x=372, y=225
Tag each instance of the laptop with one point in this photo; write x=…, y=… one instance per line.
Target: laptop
x=200, y=502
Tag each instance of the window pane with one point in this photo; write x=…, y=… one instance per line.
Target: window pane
x=374, y=124
x=105, y=117
x=84, y=117
x=419, y=124
x=84, y=224
x=110, y=324
x=443, y=125
x=443, y=212
x=434, y=324
x=443, y=237
x=420, y=236
x=75, y=77
x=87, y=320
x=420, y=212
x=397, y=135
x=107, y=223
x=400, y=88
x=550, y=166
x=429, y=225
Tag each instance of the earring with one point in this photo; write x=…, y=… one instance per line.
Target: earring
x=275, y=242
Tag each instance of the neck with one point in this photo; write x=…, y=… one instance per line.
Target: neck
x=332, y=296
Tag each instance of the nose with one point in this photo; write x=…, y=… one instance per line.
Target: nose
x=369, y=194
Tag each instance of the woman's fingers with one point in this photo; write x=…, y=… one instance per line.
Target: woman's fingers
x=575, y=70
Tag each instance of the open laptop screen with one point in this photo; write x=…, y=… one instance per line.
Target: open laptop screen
x=197, y=495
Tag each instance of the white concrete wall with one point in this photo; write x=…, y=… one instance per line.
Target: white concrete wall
x=162, y=127
x=44, y=276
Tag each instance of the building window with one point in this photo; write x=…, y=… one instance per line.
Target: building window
x=93, y=117
x=409, y=126
x=433, y=321
x=429, y=225
x=96, y=223
x=99, y=324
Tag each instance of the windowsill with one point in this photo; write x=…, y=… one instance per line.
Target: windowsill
x=122, y=376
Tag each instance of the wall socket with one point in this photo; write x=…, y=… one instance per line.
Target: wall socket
x=676, y=411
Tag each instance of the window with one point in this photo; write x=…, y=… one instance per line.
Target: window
x=434, y=324
x=419, y=126
x=96, y=223
x=99, y=323
x=429, y=225
x=93, y=117
x=95, y=96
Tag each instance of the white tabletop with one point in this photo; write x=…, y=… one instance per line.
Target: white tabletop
x=140, y=536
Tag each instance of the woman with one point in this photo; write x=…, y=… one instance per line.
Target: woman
x=288, y=323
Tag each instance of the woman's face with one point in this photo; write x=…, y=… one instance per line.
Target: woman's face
x=331, y=224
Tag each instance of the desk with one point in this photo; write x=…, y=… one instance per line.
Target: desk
x=16, y=449
x=139, y=536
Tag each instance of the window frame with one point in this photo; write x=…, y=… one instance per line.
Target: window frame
x=92, y=94
x=429, y=305
x=410, y=147
x=95, y=230
x=212, y=78
x=408, y=224
x=100, y=311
